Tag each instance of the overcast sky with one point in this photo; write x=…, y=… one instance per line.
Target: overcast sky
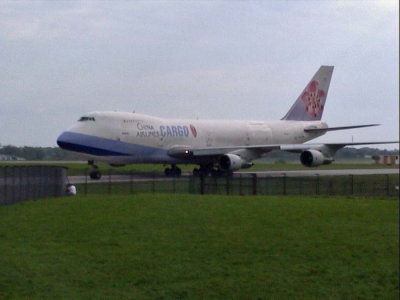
x=195, y=59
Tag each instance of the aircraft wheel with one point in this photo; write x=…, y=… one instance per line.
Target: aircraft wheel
x=178, y=172
x=216, y=172
x=173, y=172
x=168, y=172
x=196, y=172
x=204, y=171
x=95, y=175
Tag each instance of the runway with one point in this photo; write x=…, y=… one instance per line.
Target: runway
x=298, y=173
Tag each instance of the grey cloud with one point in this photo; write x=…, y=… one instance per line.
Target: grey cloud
x=173, y=59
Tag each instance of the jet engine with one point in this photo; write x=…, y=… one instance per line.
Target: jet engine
x=314, y=158
x=233, y=162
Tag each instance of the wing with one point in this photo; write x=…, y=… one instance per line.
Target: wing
x=328, y=148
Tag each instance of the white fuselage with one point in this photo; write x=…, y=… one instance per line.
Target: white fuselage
x=122, y=138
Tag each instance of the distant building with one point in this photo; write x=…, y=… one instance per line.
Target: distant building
x=386, y=159
x=4, y=157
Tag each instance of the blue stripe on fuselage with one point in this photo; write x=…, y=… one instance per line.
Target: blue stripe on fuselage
x=98, y=146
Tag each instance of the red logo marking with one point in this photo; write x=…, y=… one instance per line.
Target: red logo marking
x=193, y=129
x=312, y=99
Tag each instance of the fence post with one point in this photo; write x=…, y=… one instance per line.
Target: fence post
x=300, y=185
x=42, y=182
x=228, y=187
x=202, y=184
x=130, y=181
x=174, y=185
x=109, y=181
x=240, y=185
x=35, y=188
x=387, y=185
x=13, y=188
x=331, y=188
x=352, y=184
x=215, y=186
x=5, y=184
x=20, y=186
x=85, y=187
x=317, y=185
x=46, y=178
x=191, y=185
x=55, y=181
x=254, y=184
x=28, y=185
x=284, y=184
x=153, y=183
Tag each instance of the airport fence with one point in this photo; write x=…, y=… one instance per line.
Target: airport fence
x=21, y=183
x=251, y=184
x=244, y=184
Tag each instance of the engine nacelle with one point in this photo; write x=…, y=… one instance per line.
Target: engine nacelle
x=233, y=162
x=314, y=158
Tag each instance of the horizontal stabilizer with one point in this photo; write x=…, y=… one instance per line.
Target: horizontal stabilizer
x=338, y=128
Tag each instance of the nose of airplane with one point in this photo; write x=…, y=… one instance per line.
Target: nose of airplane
x=61, y=140
x=66, y=140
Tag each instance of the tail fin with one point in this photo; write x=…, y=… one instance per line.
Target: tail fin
x=309, y=106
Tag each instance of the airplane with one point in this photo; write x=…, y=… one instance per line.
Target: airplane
x=217, y=146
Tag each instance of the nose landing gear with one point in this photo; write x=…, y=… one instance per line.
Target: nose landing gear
x=95, y=173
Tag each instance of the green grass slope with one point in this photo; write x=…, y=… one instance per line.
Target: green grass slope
x=194, y=247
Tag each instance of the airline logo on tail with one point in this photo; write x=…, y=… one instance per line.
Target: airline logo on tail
x=310, y=105
x=313, y=99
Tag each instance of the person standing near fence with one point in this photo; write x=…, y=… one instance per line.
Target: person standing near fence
x=70, y=190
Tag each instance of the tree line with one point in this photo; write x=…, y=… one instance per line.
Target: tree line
x=36, y=153
x=55, y=153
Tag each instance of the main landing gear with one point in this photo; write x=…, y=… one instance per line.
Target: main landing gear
x=206, y=170
x=95, y=173
x=174, y=171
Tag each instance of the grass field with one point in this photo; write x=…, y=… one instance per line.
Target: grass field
x=194, y=247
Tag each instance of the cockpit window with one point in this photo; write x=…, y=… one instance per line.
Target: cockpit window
x=84, y=119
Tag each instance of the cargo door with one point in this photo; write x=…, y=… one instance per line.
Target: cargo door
x=126, y=131
x=210, y=139
x=258, y=134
